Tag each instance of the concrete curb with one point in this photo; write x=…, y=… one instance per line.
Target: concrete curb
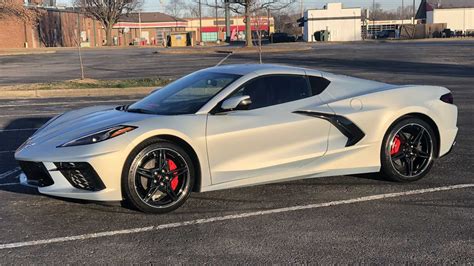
x=238, y=50
x=26, y=53
x=56, y=93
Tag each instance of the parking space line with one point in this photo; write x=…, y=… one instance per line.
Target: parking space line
x=9, y=184
x=231, y=217
x=72, y=102
x=18, y=129
x=9, y=173
x=35, y=114
x=6, y=152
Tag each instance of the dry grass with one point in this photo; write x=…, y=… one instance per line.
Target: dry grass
x=91, y=84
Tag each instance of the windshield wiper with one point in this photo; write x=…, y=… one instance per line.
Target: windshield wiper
x=139, y=110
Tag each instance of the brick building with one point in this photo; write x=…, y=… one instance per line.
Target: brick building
x=66, y=27
x=15, y=33
x=146, y=28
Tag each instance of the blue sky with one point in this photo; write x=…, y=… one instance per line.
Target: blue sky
x=158, y=5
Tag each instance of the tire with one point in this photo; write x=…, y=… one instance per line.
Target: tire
x=408, y=150
x=158, y=177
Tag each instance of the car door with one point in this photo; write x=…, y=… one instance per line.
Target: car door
x=267, y=141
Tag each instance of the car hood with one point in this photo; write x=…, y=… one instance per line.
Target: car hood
x=78, y=123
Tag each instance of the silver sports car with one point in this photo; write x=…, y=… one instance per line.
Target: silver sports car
x=239, y=125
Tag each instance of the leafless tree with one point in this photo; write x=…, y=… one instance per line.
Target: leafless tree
x=257, y=21
x=378, y=13
x=207, y=8
x=176, y=8
x=108, y=12
x=249, y=7
x=15, y=9
x=286, y=22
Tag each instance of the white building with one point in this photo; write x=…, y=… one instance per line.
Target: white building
x=457, y=14
x=457, y=19
x=343, y=24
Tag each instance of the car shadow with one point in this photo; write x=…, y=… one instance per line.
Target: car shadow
x=13, y=135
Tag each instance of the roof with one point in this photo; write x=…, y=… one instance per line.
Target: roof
x=244, y=69
x=430, y=5
x=450, y=3
x=149, y=17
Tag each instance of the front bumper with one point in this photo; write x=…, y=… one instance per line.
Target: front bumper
x=61, y=186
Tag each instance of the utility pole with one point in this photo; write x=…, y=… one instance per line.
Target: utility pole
x=414, y=11
x=140, y=27
x=403, y=11
x=227, y=21
x=217, y=24
x=200, y=23
x=302, y=14
x=268, y=22
x=373, y=19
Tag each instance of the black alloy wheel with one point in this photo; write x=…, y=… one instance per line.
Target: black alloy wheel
x=408, y=150
x=160, y=177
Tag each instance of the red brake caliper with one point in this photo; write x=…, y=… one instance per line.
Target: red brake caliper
x=174, y=180
x=395, y=145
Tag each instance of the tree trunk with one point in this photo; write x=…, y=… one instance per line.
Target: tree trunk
x=108, y=34
x=248, y=26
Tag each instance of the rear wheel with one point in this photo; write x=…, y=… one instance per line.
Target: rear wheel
x=408, y=150
x=158, y=177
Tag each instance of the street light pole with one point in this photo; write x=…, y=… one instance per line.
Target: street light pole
x=403, y=11
x=227, y=21
x=140, y=27
x=302, y=14
x=414, y=11
x=200, y=22
x=217, y=24
x=373, y=19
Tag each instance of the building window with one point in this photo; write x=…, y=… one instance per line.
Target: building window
x=209, y=36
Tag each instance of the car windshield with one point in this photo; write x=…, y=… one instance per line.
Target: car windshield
x=184, y=96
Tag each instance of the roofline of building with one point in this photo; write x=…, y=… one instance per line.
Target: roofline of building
x=442, y=8
x=234, y=17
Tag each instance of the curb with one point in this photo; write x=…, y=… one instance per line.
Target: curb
x=57, y=93
x=27, y=53
x=239, y=50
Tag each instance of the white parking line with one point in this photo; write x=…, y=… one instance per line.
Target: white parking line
x=18, y=129
x=1, y=152
x=9, y=173
x=63, y=103
x=35, y=114
x=8, y=184
x=230, y=217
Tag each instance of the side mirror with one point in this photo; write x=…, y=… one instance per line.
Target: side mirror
x=237, y=103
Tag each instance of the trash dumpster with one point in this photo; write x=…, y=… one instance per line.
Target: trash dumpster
x=321, y=36
x=178, y=39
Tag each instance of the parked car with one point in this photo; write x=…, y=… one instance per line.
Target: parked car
x=385, y=34
x=282, y=37
x=239, y=125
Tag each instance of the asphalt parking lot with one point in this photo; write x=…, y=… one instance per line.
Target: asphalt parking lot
x=343, y=219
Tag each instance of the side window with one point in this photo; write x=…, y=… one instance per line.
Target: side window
x=272, y=90
x=318, y=84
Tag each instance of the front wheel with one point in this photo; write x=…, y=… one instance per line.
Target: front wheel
x=408, y=150
x=158, y=177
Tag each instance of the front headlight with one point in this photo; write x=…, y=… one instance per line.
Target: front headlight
x=99, y=136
